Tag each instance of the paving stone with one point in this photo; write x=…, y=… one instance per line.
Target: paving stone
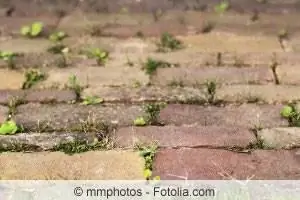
x=185, y=136
x=215, y=42
x=39, y=96
x=247, y=115
x=43, y=141
x=95, y=165
x=23, y=45
x=65, y=117
x=3, y=113
x=211, y=164
x=222, y=75
x=280, y=137
x=50, y=95
x=96, y=76
x=258, y=93
x=13, y=79
x=288, y=74
x=146, y=93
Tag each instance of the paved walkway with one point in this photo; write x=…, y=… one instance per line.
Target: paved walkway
x=234, y=131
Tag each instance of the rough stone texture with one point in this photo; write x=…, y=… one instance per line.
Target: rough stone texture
x=280, y=137
x=96, y=165
x=43, y=141
x=247, y=115
x=96, y=76
x=215, y=42
x=44, y=96
x=146, y=93
x=25, y=45
x=3, y=113
x=193, y=136
x=222, y=75
x=13, y=79
x=253, y=93
x=288, y=74
x=38, y=117
x=39, y=96
x=209, y=164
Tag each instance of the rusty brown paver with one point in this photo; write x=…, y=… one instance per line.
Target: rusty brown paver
x=222, y=75
x=96, y=165
x=210, y=164
x=39, y=96
x=181, y=136
x=41, y=117
x=248, y=115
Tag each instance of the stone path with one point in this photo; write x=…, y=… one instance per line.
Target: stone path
x=233, y=132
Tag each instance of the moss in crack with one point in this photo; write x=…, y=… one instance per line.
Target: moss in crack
x=18, y=147
x=80, y=146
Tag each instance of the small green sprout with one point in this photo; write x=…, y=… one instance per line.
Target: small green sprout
x=222, y=7
x=9, y=58
x=32, y=76
x=148, y=153
x=100, y=55
x=169, y=43
x=9, y=127
x=33, y=30
x=290, y=113
x=92, y=100
x=151, y=65
x=140, y=121
x=287, y=111
x=74, y=84
x=57, y=36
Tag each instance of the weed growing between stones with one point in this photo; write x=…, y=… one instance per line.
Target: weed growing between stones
x=92, y=100
x=9, y=58
x=210, y=87
x=151, y=115
x=222, y=7
x=74, y=84
x=9, y=127
x=32, y=77
x=169, y=43
x=291, y=113
x=13, y=103
x=32, y=31
x=81, y=146
x=100, y=55
x=148, y=153
x=151, y=65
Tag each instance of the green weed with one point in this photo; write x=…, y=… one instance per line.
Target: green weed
x=100, y=55
x=33, y=30
x=92, y=100
x=151, y=65
x=9, y=58
x=57, y=36
x=169, y=43
x=74, y=84
x=291, y=113
x=9, y=127
x=222, y=7
x=151, y=117
x=32, y=77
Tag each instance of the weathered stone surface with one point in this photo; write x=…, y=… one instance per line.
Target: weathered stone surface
x=3, y=113
x=146, y=93
x=25, y=45
x=257, y=93
x=215, y=42
x=248, y=115
x=13, y=79
x=288, y=74
x=222, y=75
x=40, y=96
x=42, y=117
x=181, y=136
x=96, y=76
x=96, y=165
x=210, y=164
x=280, y=137
x=48, y=95
x=42, y=141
